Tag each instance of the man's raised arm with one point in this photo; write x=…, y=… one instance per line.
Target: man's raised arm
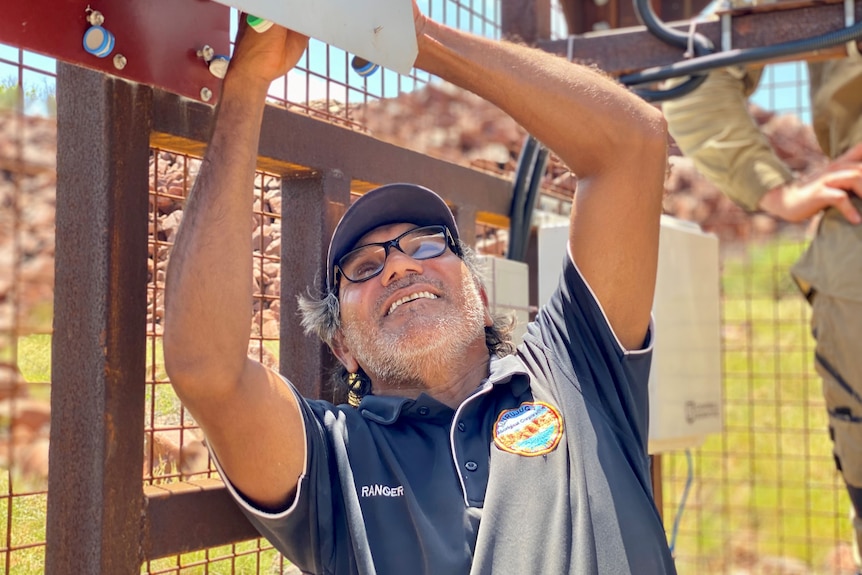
x=249, y=416
x=613, y=141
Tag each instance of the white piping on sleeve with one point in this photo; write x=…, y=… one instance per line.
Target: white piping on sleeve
x=647, y=348
x=243, y=502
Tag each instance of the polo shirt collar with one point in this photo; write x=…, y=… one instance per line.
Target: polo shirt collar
x=510, y=370
x=386, y=409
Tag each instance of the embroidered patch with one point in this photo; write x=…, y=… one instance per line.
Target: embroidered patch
x=531, y=429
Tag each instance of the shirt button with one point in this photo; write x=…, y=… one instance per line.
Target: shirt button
x=461, y=426
x=471, y=466
x=423, y=410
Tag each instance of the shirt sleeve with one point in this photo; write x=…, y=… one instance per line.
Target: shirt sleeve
x=581, y=349
x=712, y=126
x=307, y=530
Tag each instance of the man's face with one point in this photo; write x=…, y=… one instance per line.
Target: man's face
x=416, y=315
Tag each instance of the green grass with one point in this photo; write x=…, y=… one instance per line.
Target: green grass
x=28, y=519
x=33, y=356
x=240, y=558
x=766, y=486
x=762, y=272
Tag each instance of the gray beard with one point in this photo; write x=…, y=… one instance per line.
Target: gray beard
x=435, y=344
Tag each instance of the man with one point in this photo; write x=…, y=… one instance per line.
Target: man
x=457, y=459
x=712, y=126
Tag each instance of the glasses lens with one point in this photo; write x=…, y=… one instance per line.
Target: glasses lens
x=423, y=243
x=363, y=263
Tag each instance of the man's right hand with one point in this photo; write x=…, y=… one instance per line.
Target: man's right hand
x=265, y=56
x=833, y=186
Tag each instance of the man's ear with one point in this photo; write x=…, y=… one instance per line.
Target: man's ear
x=343, y=353
x=489, y=321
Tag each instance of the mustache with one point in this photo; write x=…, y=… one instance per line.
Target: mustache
x=407, y=282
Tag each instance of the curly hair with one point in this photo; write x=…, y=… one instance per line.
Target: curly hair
x=321, y=316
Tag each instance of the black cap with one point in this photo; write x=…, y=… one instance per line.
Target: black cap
x=389, y=204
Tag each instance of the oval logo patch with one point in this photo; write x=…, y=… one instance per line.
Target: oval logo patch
x=531, y=429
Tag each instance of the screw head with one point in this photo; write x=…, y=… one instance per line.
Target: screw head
x=206, y=53
x=206, y=94
x=95, y=18
x=120, y=61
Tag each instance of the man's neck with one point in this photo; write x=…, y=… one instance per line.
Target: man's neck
x=449, y=384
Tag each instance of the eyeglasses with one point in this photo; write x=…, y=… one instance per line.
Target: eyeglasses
x=367, y=261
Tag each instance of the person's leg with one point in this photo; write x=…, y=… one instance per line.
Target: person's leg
x=837, y=325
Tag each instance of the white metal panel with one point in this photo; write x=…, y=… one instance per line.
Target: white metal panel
x=381, y=31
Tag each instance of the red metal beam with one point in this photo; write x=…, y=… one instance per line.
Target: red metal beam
x=159, y=39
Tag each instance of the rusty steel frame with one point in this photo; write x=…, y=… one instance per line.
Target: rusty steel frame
x=98, y=364
x=100, y=518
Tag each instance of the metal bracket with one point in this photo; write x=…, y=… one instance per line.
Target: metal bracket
x=726, y=31
x=850, y=20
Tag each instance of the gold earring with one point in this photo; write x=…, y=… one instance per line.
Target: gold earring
x=358, y=386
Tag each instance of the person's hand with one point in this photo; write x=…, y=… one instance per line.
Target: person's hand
x=419, y=19
x=832, y=187
x=265, y=56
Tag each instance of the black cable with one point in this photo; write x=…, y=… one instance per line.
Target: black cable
x=525, y=192
x=686, y=87
x=744, y=56
x=539, y=164
x=701, y=44
x=519, y=186
x=698, y=42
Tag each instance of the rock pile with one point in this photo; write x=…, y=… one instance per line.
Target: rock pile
x=438, y=120
x=28, y=182
x=171, y=179
x=448, y=123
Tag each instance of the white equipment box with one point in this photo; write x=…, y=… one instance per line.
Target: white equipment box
x=508, y=285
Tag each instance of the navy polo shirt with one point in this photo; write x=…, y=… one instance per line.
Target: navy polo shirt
x=542, y=470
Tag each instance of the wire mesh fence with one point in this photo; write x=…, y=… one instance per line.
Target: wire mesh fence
x=764, y=496
x=761, y=497
x=27, y=183
x=325, y=85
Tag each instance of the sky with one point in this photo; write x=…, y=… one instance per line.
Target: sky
x=783, y=88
